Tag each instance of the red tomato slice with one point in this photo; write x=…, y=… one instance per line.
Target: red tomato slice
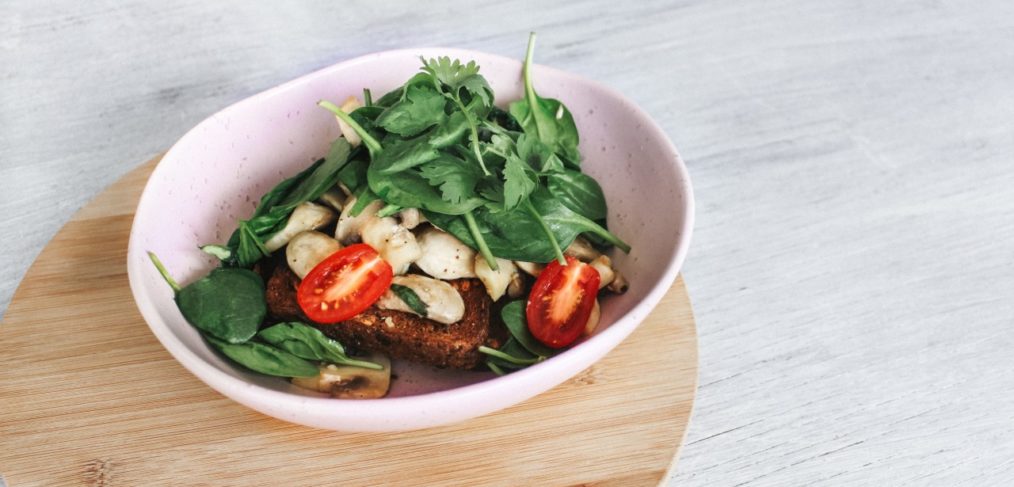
x=561, y=302
x=344, y=284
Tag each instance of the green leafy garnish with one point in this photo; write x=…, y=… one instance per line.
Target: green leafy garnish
x=410, y=298
x=307, y=342
x=265, y=359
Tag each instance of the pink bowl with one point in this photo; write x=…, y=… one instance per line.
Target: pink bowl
x=218, y=171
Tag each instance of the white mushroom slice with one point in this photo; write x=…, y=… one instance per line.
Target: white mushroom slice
x=307, y=216
x=497, y=281
x=308, y=249
x=349, y=382
x=604, y=265
x=516, y=288
x=530, y=268
x=333, y=198
x=350, y=105
x=347, y=231
x=443, y=303
x=581, y=250
x=395, y=244
x=593, y=319
x=444, y=256
x=411, y=218
x=619, y=284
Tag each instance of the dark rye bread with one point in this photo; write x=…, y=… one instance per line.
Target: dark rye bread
x=395, y=333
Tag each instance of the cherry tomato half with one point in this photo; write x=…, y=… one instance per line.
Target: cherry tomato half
x=344, y=284
x=561, y=302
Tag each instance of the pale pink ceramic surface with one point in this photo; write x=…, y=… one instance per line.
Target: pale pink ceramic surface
x=217, y=172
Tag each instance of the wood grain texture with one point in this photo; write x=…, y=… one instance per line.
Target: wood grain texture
x=90, y=397
x=851, y=266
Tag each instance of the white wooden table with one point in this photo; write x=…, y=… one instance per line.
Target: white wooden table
x=853, y=162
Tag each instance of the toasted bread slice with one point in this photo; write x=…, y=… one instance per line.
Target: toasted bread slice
x=395, y=333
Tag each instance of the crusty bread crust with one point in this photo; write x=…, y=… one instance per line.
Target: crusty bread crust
x=395, y=333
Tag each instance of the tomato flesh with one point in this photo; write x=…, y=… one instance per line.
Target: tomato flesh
x=344, y=284
x=561, y=302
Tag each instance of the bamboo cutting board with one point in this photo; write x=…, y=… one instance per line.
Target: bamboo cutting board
x=89, y=397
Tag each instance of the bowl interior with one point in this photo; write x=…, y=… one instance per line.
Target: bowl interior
x=217, y=172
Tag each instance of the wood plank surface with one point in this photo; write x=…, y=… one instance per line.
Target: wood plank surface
x=90, y=397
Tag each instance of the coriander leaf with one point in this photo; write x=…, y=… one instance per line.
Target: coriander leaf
x=228, y=304
x=455, y=178
x=421, y=108
x=518, y=183
x=456, y=75
x=410, y=298
x=579, y=192
x=265, y=359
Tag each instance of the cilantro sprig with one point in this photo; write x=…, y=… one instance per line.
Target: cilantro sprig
x=507, y=183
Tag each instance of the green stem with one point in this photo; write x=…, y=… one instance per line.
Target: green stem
x=367, y=97
x=473, y=133
x=388, y=210
x=368, y=139
x=480, y=241
x=549, y=233
x=495, y=368
x=509, y=358
x=533, y=100
x=165, y=274
x=360, y=363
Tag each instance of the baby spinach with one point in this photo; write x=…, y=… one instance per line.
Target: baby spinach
x=307, y=342
x=410, y=298
x=513, y=315
x=421, y=108
x=265, y=359
x=579, y=192
x=228, y=303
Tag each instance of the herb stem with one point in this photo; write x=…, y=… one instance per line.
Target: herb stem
x=165, y=273
x=549, y=233
x=495, y=368
x=360, y=363
x=368, y=139
x=487, y=254
x=388, y=210
x=473, y=133
x=509, y=358
x=367, y=97
x=533, y=100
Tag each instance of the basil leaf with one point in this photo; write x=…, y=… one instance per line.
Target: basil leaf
x=579, y=192
x=410, y=298
x=228, y=304
x=307, y=342
x=513, y=315
x=421, y=108
x=265, y=359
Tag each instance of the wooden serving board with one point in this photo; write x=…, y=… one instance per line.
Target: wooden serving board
x=88, y=396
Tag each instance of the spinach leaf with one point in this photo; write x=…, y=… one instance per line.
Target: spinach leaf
x=353, y=175
x=579, y=192
x=228, y=304
x=410, y=298
x=546, y=118
x=364, y=197
x=402, y=155
x=265, y=359
x=511, y=355
x=449, y=132
x=409, y=189
x=567, y=224
x=513, y=315
x=512, y=235
x=421, y=108
x=307, y=342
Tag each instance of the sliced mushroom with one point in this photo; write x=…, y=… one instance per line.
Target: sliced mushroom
x=593, y=319
x=411, y=218
x=393, y=242
x=334, y=198
x=516, y=288
x=307, y=216
x=444, y=256
x=619, y=284
x=581, y=250
x=530, y=268
x=348, y=382
x=347, y=231
x=497, y=281
x=443, y=303
x=604, y=265
x=350, y=105
x=308, y=249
